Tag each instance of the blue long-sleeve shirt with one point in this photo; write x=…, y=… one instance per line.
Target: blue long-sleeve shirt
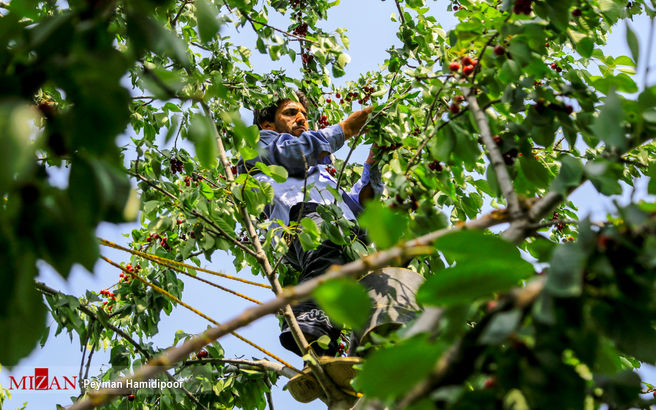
x=288, y=151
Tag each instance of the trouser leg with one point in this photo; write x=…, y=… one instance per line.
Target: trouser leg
x=311, y=319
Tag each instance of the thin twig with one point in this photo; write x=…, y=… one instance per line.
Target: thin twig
x=398, y=7
x=649, y=50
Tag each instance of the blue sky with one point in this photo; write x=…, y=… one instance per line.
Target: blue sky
x=371, y=32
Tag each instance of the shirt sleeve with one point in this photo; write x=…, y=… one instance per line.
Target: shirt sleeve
x=370, y=176
x=288, y=151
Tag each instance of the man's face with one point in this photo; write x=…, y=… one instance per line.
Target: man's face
x=291, y=117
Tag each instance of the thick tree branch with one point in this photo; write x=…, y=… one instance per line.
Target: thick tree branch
x=505, y=182
x=392, y=256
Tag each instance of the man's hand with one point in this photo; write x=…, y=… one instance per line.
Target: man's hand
x=351, y=126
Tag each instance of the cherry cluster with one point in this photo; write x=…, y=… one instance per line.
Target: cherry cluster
x=323, y=121
x=556, y=67
x=412, y=203
x=454, y=108
x=559, y=226
x=468, y=66
x=162, y=240
x=176, y=165
x=301, y=30
x=306, y=58
x=331, y=170
x=189, y=179
x=510, y=155
x=435, y=166
x=108, y=294
x=523, y=7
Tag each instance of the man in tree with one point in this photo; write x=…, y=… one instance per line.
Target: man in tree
x=285, y=140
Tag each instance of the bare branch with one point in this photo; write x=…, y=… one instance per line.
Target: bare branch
x=398, y=7
x=505, y=182
x=277, y=368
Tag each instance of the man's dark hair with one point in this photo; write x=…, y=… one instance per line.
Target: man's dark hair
x=261, y=115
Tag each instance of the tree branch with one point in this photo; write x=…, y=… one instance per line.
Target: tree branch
x=398, y=7
x=261, y=364
x=505, y=182
x=395, y=255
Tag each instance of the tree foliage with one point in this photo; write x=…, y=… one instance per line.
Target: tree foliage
x=512, y=110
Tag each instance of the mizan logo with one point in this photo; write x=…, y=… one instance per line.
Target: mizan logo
x=41, y=381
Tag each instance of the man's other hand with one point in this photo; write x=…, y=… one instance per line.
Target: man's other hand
x=352, y=125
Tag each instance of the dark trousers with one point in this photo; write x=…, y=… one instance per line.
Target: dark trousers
x=311, y=319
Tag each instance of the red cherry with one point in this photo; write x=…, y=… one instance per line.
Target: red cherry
x=131, y=397
x=577, y=13
x=456, y=8
x=467, y=61
x=180, y=221
x=497, y=140
x=328, y=100
x=554, y=66
x=454, y=108
x=499, y=50
x=491, y=305
x=148, y=238
x=202, y=354
x=454, y=67
x=569, y=109
x=468, y=70
x=338, y=95
x=490, y=382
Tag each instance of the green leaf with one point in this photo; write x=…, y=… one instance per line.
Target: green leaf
x=465, y=245
x=202, y=135
x=632, y=41
x=571, y=172
x=609, y=125
x=501, y=325
x=17, y=151
x=345, y=301
x=394, y=371
x=566, y=272
x=470, y=280
x=208, y=24
x=535, y=172
x=324, y=342
x=278, y=173
x=384, y=226
x=585, y=47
